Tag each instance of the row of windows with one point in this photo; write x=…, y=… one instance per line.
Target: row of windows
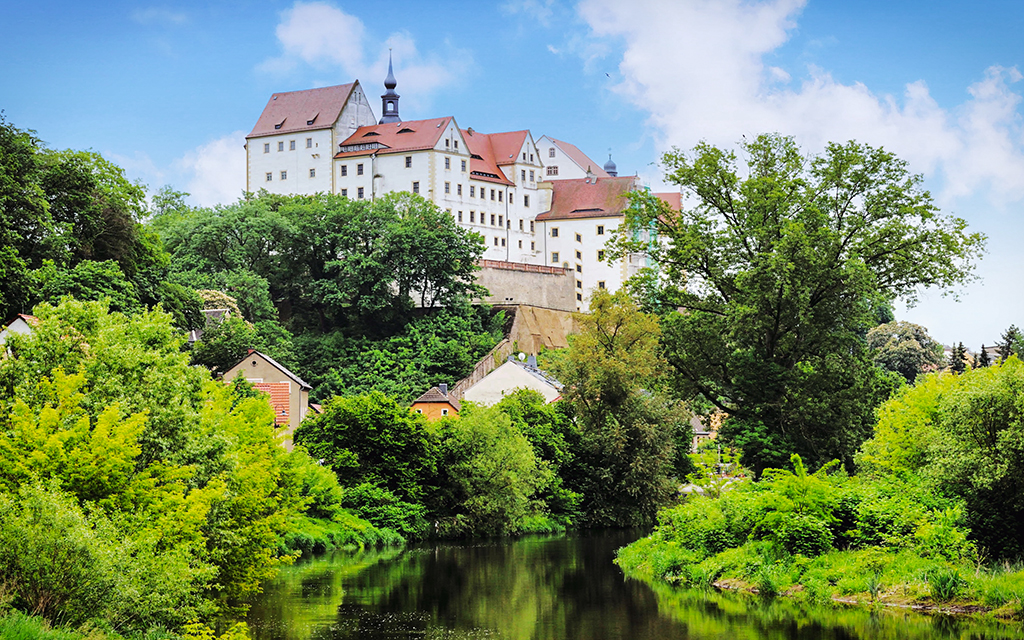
x=447, y=162
x=359, y=169
x=579, y=237
x=291, y=145
x=284, y=175
x=522, y=174
x=496, y=220
x=359, y=193
x=579, y=256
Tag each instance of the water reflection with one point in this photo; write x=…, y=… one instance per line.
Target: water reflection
x=546, y=588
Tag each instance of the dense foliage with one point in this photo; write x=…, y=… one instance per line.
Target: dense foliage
x=134, y=487
x=773, y=272
x=905, y=348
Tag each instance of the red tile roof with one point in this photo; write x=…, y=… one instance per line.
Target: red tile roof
x=293, y=109
x=580, y=158
x=32, y=321
x=279, y=398
x=397, y=137
x=673, y=199
x=578, y=198
x=484, y=163
x=506, y=146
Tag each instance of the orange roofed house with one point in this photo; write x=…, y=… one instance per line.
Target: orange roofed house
x=289, y=394
x=437, y=403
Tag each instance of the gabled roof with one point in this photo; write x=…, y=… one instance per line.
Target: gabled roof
x=276, y=364
x=279, y=398
x=506, y=146
x=435, y=395
x=396, y=137
x=588, y=198
x=293, y=110
x=483, y=164
x=580, y=158
x=30, y=320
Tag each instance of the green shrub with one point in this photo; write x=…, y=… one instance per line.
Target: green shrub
x=945, y=583
x=803, y=534
x=383, y=508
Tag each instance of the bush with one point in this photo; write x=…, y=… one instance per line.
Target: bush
x=803, y=534
x=945, y=584
x=383, y=508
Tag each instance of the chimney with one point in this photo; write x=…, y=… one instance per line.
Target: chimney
x=532, y=362
x=444, y=389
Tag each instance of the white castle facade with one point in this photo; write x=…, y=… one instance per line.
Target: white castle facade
x=534, y=202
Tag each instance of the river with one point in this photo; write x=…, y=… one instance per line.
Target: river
x=548, y=587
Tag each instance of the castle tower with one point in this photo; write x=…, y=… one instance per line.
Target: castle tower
x=610, y=168
x=389, y=101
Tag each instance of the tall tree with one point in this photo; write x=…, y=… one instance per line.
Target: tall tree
x=984, y=360
x=958, y=359
x=771, y=273
x=613, y=373
x=1009, y=343
x=905, y=348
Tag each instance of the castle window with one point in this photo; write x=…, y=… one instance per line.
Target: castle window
x=579, y=284
x=526, y=200
x=531, y=226
x=551, y=152
x=600, y=285
x=359, y=169
x=524, y=156
x=522, y=174
x=447, y=142
x=501, y=221
x=309, y=143
x=359, y=193
x=312, y=173
x=503, y=242
x=447, y=163
x=408, y=162
x=579, y=268
x=600, y=229
x=460, y=216
x=500, y=194
x=448, y=187
x=554, y=232
x=520, y=226
x=291, y=145
x=492, y=221
x=344, y=193
x=270, y=176
x=579, y=297
x=579, y=238
x=492, y=194
x=472, y=216
x=531, y=157
x=579, y=255
x=344, y=170
x=531, y=175
x=472, y=191
x=533, y=246
x=457, y=146
x=458, y=189
x=554, y=257
x=284, y=175
x=416, y=187
x=280, y=145
x=463, y=165
x=600, y=255
x=266, y=147
x=495, y=240
x=553, y=170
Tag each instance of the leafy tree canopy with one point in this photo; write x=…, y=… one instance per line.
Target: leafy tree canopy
x=771, y=273
x=905, y=348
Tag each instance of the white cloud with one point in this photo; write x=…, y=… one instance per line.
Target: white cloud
x=215, y=171
x=699, y=69
x=159, y=16
x=326, y=38
x=539, y=10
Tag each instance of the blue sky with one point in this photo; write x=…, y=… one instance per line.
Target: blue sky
x=169, y=89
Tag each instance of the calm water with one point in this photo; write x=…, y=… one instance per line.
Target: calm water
x=545, y=588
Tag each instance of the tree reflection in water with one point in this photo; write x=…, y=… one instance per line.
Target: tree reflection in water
x=538, y=588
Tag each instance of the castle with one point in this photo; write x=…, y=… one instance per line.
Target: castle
x=537, y=203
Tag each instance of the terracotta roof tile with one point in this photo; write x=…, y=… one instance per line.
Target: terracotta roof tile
x=673, y=199
x=578, y=198
x=506, y=146
x=580, y=158
x=435, y=395
x=397, y=137
x=484, y=166
x=279, y=398
x=293, y=109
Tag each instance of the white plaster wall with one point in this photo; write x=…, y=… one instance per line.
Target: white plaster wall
x=297, y=163
x=592, y=270
x=567, y=167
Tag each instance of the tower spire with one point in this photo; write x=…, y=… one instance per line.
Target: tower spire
x=389, y=101
x=609, y=167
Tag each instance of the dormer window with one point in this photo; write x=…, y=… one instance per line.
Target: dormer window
x=371, y=133
x=406, y=130
x=280, y=124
